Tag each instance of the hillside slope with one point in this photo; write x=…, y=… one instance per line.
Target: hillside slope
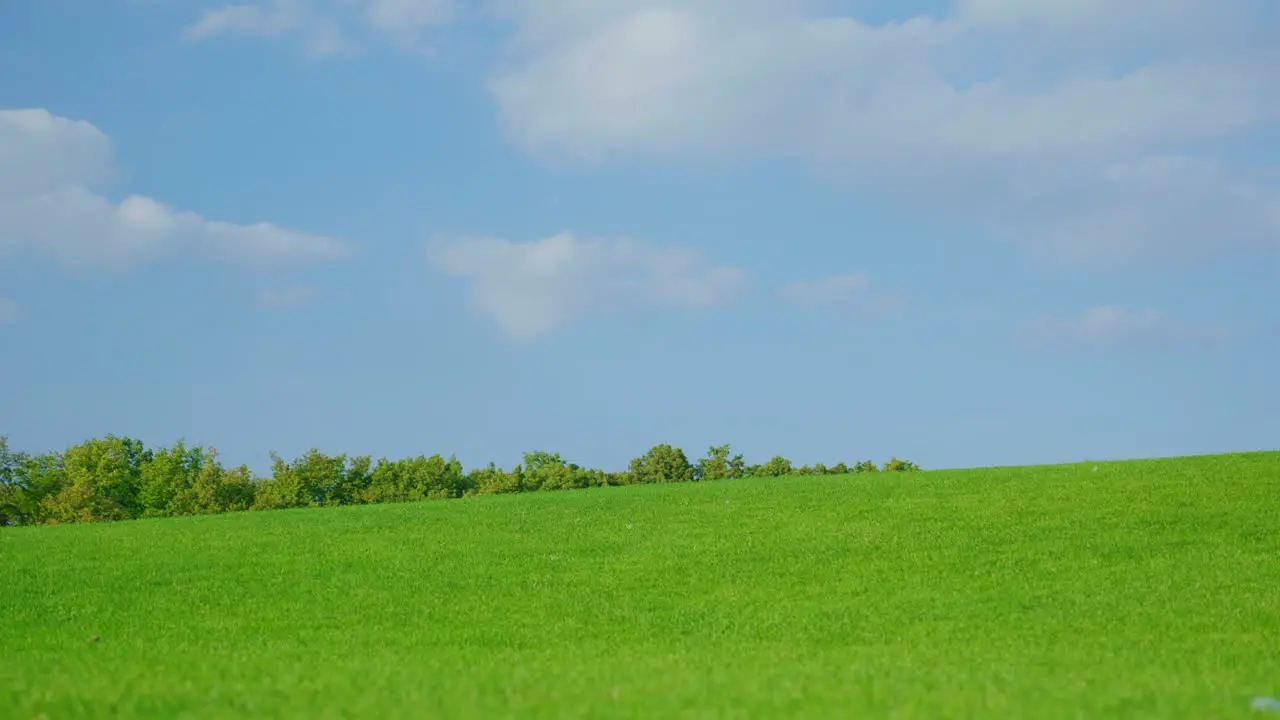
x=1139, y=589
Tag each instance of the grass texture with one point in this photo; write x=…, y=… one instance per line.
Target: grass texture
x=1139, y=589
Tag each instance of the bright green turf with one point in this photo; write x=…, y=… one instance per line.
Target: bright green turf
x=1144, y=589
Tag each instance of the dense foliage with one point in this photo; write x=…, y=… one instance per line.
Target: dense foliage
x=116, y=478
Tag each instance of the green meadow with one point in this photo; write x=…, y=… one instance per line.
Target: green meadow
x=1136, y=589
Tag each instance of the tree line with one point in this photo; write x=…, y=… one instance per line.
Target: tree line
x=118, y=478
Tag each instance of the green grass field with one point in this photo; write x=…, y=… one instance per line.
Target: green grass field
x=1141, y=589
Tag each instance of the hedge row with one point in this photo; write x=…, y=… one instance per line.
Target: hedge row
x=117, y=478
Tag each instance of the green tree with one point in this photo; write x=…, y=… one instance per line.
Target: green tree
x=322, y=478
x=12, y=490
x=662, y=464
x=103, y=481
x=493, y=480
x=896, y=465
x=386, y=483
x=352, y=477
x=38, y=477
x=720, y=465
x=236, y=489
x=169, y=473
x=118, y=478
x=776, y=467
x=547, y=471
x=433, y=478
x=214, y=489
x=284, y=489
x=615, y=479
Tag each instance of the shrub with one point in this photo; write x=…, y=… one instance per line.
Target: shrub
x=662, y=464
x=546, y=471
x=896, y=465
x=493, y=480
x=776, y=467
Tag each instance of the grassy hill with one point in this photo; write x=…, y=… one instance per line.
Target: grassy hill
x=1139, y=589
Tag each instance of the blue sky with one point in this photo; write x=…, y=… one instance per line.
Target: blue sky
x=968, y=233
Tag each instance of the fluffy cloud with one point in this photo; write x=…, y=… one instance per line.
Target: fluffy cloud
x=8, y=310
x=531, y=289
x=1097, y=130
x=635, y=76
x=49, y=166
x=1078, y=125
x=1110, y=325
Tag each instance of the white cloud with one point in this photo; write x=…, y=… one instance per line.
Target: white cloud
x=320, y=33
x=531, y=289
x=1110, y=325
x=1088, y=16
x=399, y=15
x=320, y=23
x=1017, y=111
x=1156, y=206
x=1090, y=128
x=40, y=152
x=8, y=310
x=853, y=290
x=827, y=291
x=246, y=20
x=49, y=166
x=274, y=298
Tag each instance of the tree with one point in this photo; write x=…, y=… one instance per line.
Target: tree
x=776, y=467
x=117, y=478
x=37, y=478
x=215, y=489
x=350, y=477
x=170, y=472
x=718, y=465
x=493, y=480
x=433, y=478
x=386, y=483
x=547, y=471
x=12, y=492
x=103, y=479
x=236, y=490
x=323, y=479
x=896, y=465
x=283, y=489
x=662, y=464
